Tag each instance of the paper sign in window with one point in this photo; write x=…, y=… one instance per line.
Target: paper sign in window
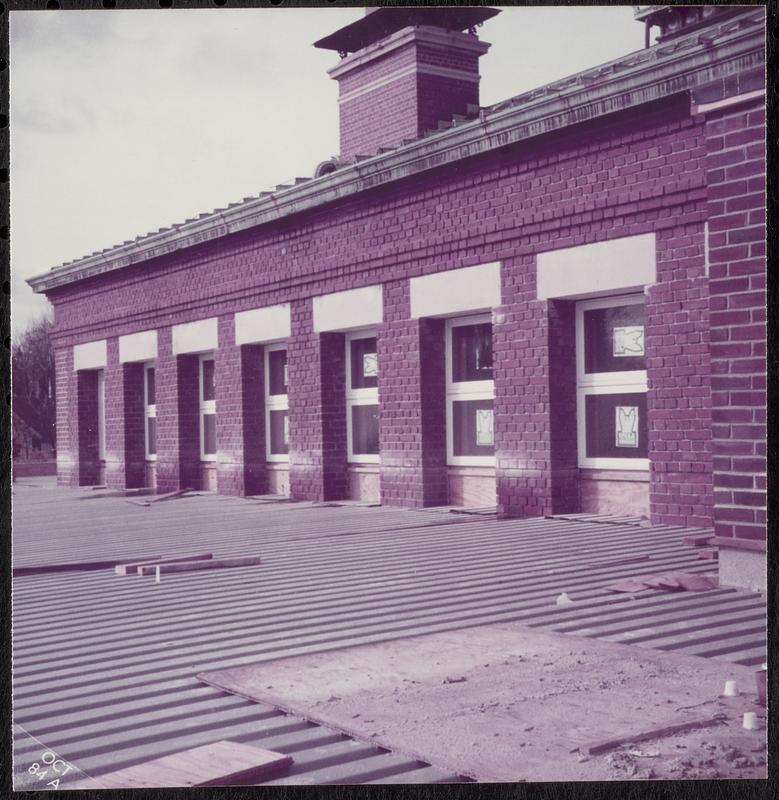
x=627, y=426
x=286, y=382
x=285, y=434
x=370, y=367
x=484, y=434
x=628, y=341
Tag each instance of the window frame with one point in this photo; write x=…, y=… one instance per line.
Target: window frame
x=205, y=406
x=149, y=410
x=273, y=402
x=628, y=381
x=367, y=396
x=465, y=390
x=101, y=428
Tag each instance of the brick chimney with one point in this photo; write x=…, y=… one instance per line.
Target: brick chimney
x=404, y=70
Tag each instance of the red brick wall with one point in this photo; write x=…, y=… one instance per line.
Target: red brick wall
x=735, y=174
x=631, y=174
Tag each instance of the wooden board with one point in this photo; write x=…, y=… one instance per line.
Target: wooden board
x=79, y=566
x=134, y=567
x=191, y=566
x=222, y=763
x=697, y=540
x=654, y=733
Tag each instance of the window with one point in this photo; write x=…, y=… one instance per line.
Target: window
x=362, y=398
x=470, y=391
x=101, y=415
x=611, y=383
x=150, y=412
x=207, y=408
x=276, y=403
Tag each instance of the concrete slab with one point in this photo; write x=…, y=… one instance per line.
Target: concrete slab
x=508, y=703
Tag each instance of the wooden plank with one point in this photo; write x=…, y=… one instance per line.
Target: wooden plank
x=708, y=554
x=222, y=763
x=698, y=540
x=653, y=733
x=615, y=562
x=191, y=566
x=133, y=567
x=159, y=498
x=758, y=545
x=78, y=566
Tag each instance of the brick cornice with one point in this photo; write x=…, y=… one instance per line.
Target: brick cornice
x=645, y=76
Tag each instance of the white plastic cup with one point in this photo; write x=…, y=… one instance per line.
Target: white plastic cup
x=730, y=689
x=750, y=721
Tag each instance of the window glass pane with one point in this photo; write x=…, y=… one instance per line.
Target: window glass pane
x=150, y=387
x=151, y=433
x=277, y=372
x=209, y=434
x=472, y=423
x=364, y=363
x=208, y=379
x=472, y=352
x=614, y=338
x=279, y=433
x=615, y=425
x=365, y=430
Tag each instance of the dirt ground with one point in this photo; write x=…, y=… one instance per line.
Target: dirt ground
x=510, y=703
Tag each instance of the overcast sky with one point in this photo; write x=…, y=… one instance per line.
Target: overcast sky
x=123, y=122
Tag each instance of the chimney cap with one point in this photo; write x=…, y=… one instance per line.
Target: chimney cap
x=385, y=20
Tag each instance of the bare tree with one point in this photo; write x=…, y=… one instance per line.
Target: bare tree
x=32, y=365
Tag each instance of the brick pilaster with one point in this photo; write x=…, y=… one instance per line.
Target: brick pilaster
x=178, y=431
x=412, y=417
x=317, y=410
x=66, y=381
x=134, y=423
x=735, y=174
x=88, y=454
x=529, y=480
x=678, y=396
x=239, y=414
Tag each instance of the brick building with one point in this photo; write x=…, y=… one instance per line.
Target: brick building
x=555, y=304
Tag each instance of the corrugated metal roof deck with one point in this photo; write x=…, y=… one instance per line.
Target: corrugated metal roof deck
x=105, y=665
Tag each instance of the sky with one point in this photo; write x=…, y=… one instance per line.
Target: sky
x=123, y=122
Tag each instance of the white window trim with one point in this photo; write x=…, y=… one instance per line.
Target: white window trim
x=205, y=406
x=273, y=402
x=604, y=383
x=149, y=410
x=358, y=397
x=464, y=390
x=101, y=415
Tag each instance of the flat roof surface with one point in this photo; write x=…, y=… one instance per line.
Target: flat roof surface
x=104, y=665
